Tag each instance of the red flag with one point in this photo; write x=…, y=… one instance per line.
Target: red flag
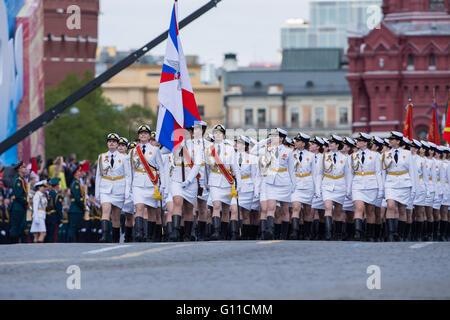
x=446, y=135
x=34, y=166
x=433, y=134
x=407, y=131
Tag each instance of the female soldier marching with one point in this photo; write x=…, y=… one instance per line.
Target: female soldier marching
x=113, y=184
x=366, y=185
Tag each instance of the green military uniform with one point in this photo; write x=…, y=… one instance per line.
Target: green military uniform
x=54, y=215
x=95, y=215
x=76, y=210
x=18, y=209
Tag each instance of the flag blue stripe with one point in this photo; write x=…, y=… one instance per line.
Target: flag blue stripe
x=167, y=129
x=168, y=69
x=173, y=29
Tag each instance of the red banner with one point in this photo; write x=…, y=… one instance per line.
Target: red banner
x=153, y=179
x=407, y=131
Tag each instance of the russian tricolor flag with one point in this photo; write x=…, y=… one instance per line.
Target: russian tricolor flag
x=177, y=108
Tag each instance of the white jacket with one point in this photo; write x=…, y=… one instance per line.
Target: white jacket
x=305, y=170
x=365, y=175
x=402, y=174
x=336, y=176
x=113, y=180
x=139, y=175
x=228, y=159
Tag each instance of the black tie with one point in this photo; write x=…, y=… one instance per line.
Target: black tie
x=276, y=153
x=363, y=157
x=334, y=158
x=396, y=156
x=143, y=150
x=112, y=161
x=218, y=150
x=240, y=159
x=301, y=156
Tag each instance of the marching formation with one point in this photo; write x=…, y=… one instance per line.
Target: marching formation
x=210, y=188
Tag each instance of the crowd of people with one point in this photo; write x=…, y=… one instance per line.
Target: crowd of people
x=210, y=188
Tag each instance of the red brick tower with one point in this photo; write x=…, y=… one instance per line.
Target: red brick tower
x=410, y=52
x=69, y=50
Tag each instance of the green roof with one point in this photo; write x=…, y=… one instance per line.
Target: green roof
x=312, y=59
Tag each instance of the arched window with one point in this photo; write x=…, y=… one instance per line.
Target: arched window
x=410, y=61
x=432, y=61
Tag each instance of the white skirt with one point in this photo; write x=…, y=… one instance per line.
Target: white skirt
x=335, y=195
x=189, y=193
x=317, y=203
x=38, y=225
x=348, y=205
x=402, y=195
x=419, y=199
x=221, y=194
x=368, y=196
x=128, y=206
x=246, y=200
x=384, y=203
x=116, y=200
x=303, y=196
x=205, y=194
x=429, y=200
x=143, y=195
x=446, y=199
x=256, y=205
x=379, y=202
x=278, y=193
x=263, y=193
x=437, y=203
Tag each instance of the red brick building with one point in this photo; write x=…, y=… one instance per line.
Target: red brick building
x=69, y=50
x=410, y=52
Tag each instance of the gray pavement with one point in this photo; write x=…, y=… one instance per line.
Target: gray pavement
x=227, y=270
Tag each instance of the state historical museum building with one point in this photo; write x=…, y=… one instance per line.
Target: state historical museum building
x=409, y=52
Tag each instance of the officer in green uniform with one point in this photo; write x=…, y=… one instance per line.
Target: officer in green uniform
x=54, y=210
x=4, y=223
x=76, y=209
x=19, y=204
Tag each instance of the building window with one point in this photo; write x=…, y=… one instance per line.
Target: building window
x=262, y=117
x=248, y=117
x=201, y=110
x=295, y=117
x=343, y=116
x=432, y=62
x=410, y=61
x=319, y=117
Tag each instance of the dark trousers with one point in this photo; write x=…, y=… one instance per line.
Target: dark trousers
x=17, y=223
x=74, y=226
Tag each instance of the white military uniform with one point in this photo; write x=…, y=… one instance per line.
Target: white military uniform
x=439, y=195
x=429, y=177
x=305, y=172
x=128, y=206
x=366, y=183
x=317, y=201
x=199, y=149
x=336, y=176
x=260, y=150
x=39, y=213
x=113, y=182
x=142, y=187
x=248, y=170
x=400, y=179
x=421, y=192
x=446, y=183
x=220, y=188
x=167, y=172
x=189, y=192
x=280, y=181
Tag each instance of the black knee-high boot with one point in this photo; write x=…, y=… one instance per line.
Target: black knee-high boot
x=443, y=231
x=390, y=230
x=276, y=235
x=269, y=235
x=157, y=233
x=316, y=227
x=139, y=229
x=187, y=231
x=328, y=226
x=105, y=231
x=338, y=230
x=358, y=230
x=216, y=228
x=308, y=230
x=128, y=234
x=294, y=229
x=208, y=231
x=201, y=230
x=284, y=228
x=234, y=230
x=436, y=231
x=116, y=235
x=262, y=229
x=401, y=230
x=419, y=231
x=175, y=234
x=224, y=230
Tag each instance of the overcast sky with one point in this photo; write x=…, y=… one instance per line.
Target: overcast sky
x=250, y=28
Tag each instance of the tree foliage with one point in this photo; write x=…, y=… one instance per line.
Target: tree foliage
x=84, y=133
